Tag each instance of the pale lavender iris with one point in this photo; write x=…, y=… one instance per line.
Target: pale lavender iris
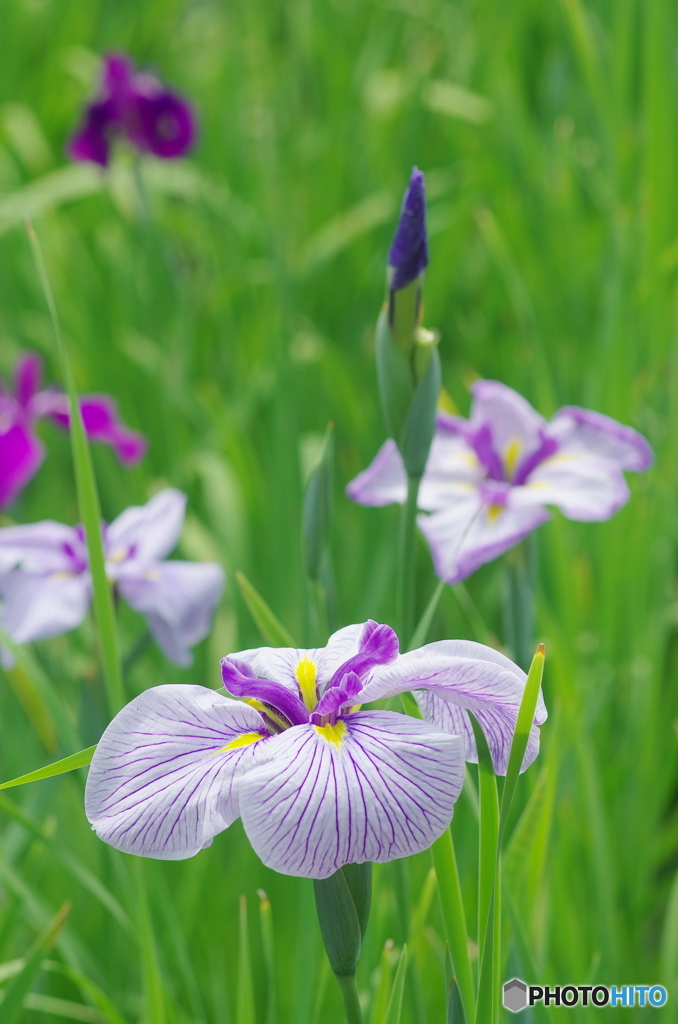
x=408, y=256
x=317, y=781
x=21, y=451
x=46, y=587
x=135, y=105
x=489, y=479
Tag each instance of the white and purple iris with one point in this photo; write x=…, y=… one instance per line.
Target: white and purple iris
x=46, y=586
x=489, y=479
x=21, y=450
x=135, y=105
x=317, y=781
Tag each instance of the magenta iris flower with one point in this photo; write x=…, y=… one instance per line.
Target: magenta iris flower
x=134, y=105
x=46, y=586
x=21, y=451
x=489, y=479
x=317, y=781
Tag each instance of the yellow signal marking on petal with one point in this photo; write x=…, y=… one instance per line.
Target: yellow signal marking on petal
x=262, y=709
x=307, y=674
x=354, y=708
x=332, y=733
x=493, y=512
x=243, y=740
x=58, y=577
x=511, y=457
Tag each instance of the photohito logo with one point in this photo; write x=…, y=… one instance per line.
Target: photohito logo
x=518, y=995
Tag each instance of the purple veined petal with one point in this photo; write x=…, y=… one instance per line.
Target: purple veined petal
x=408, y=256
x=92, y=139
x=164, y=125
x=464, y=537
x=471, y=676
x=584, y=430
x=37, y=606
x=27, y=377
x=515, y=428
x=20, y=456
x=100, y=419
x=161, y=783
x=376, y=786
x=584, y=487
x=46, y=547
x=144, y=534
x=177, y=599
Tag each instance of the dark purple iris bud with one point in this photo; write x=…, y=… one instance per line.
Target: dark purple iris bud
x=409, y=250
x=136, y=106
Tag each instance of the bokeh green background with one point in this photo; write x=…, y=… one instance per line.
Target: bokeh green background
x=230, y=310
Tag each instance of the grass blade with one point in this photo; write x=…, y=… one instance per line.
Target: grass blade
x=452, y=905
x=395, y=1005
x=266, y=923
x=245, y=1007
x=67, y=764
x=270, y=626
x=88, y=503
x=521, y=735
x=15, y=993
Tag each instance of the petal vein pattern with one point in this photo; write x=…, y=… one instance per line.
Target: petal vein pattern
x=386, y=790
x=161, y=783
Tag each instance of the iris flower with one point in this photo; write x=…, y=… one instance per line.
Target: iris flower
x=133, y=104
x=317, y=781
x=489, y=479
x=46, y=586
x=21, y=451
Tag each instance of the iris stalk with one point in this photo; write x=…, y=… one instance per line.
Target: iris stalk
x=88, y=503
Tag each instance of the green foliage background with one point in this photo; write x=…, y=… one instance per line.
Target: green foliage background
x=230, y=310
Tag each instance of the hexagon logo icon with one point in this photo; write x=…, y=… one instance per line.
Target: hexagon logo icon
x=515, y=995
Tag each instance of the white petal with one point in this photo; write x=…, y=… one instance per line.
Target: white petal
x=584, y=430
x=471, y=676
x=386, y=789
x=39, y=547
x=37, y=607
x=515, y=425
x=161, y=784
x=583, y=486
x=178, y=600
x=146, y=533
x=468, y=534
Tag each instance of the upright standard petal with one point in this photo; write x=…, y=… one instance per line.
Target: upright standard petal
x=583, y=430
x=146, y=533
x=177, y=600
x=92, y=139
x=515, y=429
x=20, y=456
x=165, y=776
x=473, y=677
x=27, y=377
x=37, y=607
x=374, y=787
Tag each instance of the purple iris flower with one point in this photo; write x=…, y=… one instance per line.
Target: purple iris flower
x=46, y=587
x=408, y=256
x=136, y=105
x=21, y=451
x=317, y=781
x=489, y=479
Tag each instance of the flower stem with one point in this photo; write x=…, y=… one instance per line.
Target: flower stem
x=518, y=611
x=88, y=503
x=449, y=888
x=406, y=562
x=349, y=990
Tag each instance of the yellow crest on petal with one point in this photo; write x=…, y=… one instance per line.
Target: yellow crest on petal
x=243, y=740
x=307, y=674
x=333, y=733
